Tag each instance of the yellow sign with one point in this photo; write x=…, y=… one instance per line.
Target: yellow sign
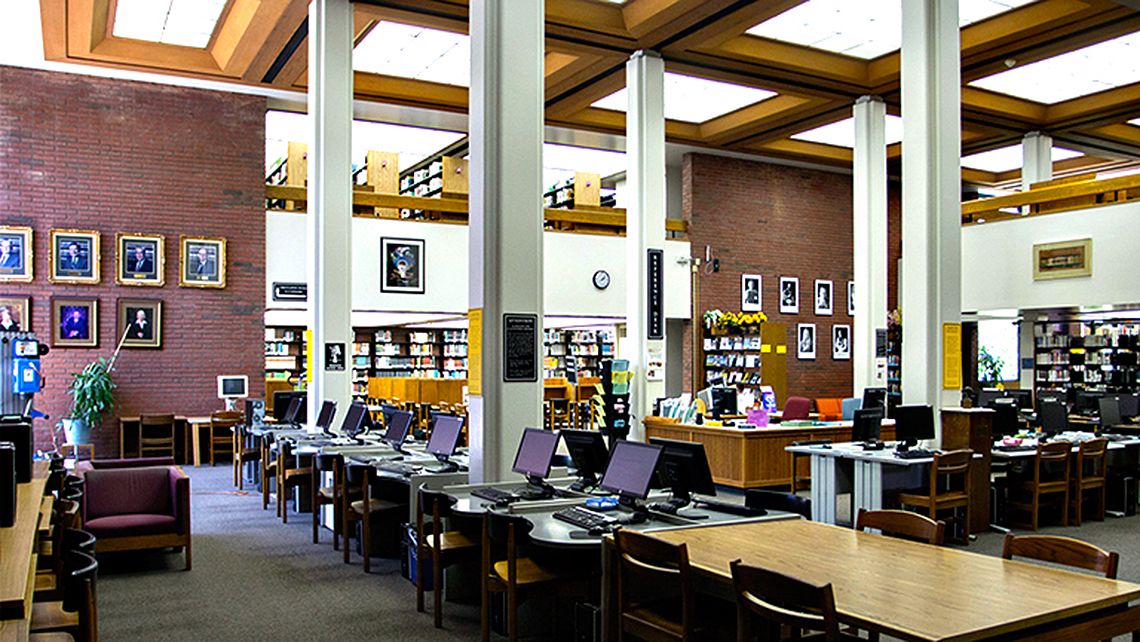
x=951, y=356
x=765, y=348
x=475, y=352
x=309, y=356
x=781, y=349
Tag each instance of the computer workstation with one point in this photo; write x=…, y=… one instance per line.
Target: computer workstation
x=684, y=470
x=532, y=460
x=589, y=456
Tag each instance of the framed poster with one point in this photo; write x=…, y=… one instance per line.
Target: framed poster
x=140, y=322
x=402, y=265
x=1064, y=260
x=824, y=301
x=15, y=314
x=750, y=292
x=805, y=340
x=850, y=298
x=15, y=253
x=520, y=347
x=789, y=295
x=840, y=342
x=74, y=256
x=140, y=259
x=203, y=262
x=75, y=322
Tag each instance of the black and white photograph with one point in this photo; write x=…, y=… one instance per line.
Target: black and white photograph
x=824, y=303
x=203, y=262
x=15, y=253
x=140, y=323
x=805, y=340
x=789, y=295
x=851, y=298
x=74, y=256
x=140, y=259
x=402, y=262
x=840, y=342
x=750, y=292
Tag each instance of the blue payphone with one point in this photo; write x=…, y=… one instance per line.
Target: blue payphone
x=26, y=366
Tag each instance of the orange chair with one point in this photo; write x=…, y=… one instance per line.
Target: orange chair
x=829, y=409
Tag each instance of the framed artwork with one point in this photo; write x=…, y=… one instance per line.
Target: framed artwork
x=851, y=298
x=402, y=262
x=805, y=340
x=74, y=257
x=1064, y=260
x=140, y=323
x=750, y=292
x=789, y=295
x=203, y=262
x=823, y=298
x=140, y=259
x=75, y=322
x=15, y=314
x=840, y=342
x=15, y=253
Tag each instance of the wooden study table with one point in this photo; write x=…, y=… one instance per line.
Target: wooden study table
x=193, y=426
x=916, y=591
x=18, y=557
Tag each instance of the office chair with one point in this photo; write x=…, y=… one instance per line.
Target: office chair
x=829, y=408
x=776, y=601
x=1061, y=550
x=796, y=408
x=850, y=405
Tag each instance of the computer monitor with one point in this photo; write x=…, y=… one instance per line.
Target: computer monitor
x=1129, y=405
x=294, y=414
x=1005, y=420
x=874, y=398
x=233, y=386
x=355, y=420
x=684, y=469
x=867, y=424
x=1053, y=417
x=282, y=399
x=987, y=395
x=1024, y=398
x=706, y=396
x=386, y=410
x=630, y=470
x=1109, y=412
x=589, y=454
x=445, y=436
x=914, y=422
x=1087, y=402
x=723, y=401
x=325, y=416
x=396, y=430
x=1049, y=397
x=536, y=450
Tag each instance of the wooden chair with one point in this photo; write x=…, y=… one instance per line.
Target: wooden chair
x=1050, y=478
x=65, y=516
x=645, y=561
x=902, y=524
x=775, y=601
x=444, y=548
x=1061, y=550
x=77, y=614
x=268, y=471
x=245, y=450
x=947, y=489
x=289, y=477
x=156, y=435
x=364, y=510
x=327, y=495
x=560, y=413
x=1088, y=474
x=221, y=435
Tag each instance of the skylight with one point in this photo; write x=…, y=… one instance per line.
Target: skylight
x=865, y=29
x=1005, y=159
x=1134, y=121
x=1106, y=65
x=396, y=49
x=681, y=103
x=842, y=133
x=189, y=23
x=560, y=162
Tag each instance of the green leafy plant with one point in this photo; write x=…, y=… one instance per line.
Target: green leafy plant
x=989, y=366
x=92, y=393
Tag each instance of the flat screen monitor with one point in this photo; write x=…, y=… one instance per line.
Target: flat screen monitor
x=445, y=435
x=536, y=450
x=914, y=422
x=1049, y=397
x=631, y=468
x=986, y=396
x=684, y=468
x=296, y=410
x=1005, y=420
x=1053, y=417
x=1129, y=405
x=588, y=452
x=1088, y=403
x=867, y=424
x=233, y=386
x=874, y=398
x=1109, y=412
x=354, y=420
x=706, y=396
x=386, y=412
x=281, y=401
x=397, y=429
x=325, y=417
x=723, y=401
x=1024, y=398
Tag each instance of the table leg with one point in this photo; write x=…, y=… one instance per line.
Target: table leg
x=868, y=486
x=196, y=430
x=823, y=489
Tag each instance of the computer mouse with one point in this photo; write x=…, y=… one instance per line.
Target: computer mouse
x=598, y=531
x=825, y=446
x=396, y=458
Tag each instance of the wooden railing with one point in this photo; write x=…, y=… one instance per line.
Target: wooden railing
x=1065, y=195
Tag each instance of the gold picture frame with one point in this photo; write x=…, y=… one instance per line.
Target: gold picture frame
x=149, y=269
x=74, y=257
x=19, y=309
x=75, y=322
x=203, y=262
x=139, y=322
x=16, y=254
x=1062, y=260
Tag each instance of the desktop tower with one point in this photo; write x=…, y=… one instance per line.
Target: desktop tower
x=587, y=622
x=1121, y=494
x=20, y=434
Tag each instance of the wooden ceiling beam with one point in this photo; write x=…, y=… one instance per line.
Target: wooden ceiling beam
x=748, y=121
x=733, y=26
x=792, y=62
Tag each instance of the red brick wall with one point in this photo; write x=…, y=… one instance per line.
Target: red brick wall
x=116, y=156
x=775, y=220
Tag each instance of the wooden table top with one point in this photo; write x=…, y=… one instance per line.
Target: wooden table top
x=18, y=547
x=910, y=590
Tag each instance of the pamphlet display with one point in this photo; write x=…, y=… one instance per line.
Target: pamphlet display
x=611, y=404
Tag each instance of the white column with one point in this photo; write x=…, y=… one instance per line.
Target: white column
x=869, y=187
x=931, y=216
x=506, y=107
x=645, y=229
x=1037, y=158
x=330, y=199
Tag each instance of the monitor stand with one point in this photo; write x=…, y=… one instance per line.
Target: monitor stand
x=676, y=502
x=589, y=480
x=905, y=445
x=639, y=510
x=396, y=447
x=537, y=488
x=446, y=465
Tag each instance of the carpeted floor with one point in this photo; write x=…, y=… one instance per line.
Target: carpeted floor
x=256, y=579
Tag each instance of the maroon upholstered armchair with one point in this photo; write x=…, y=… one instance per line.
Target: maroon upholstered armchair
x=796, y=408
x=138, y=508
x=81, y=467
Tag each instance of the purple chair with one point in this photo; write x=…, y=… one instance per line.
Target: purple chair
x=130, y=509
x=796, y=408
x=82, y=467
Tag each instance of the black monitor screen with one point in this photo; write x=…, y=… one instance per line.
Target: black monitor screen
x=1005, y=419
x=874, y=398
x=328, y=411
x=631, y=468
x=1024, y=398
x=397, y=429
x=723, y=401
x=987, y=395
x=293, y=414
x=1129, y=405
x=354, y=419
x=587, y=450
x=535, y=452
x=1109, y=412
x=445, y=435
x=684, y=467
x=867, y=424
x=386, y=412
x=1088, y=402
x=914, y=422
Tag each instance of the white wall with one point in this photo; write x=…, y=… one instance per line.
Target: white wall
x=570, y=263
x=997, y=260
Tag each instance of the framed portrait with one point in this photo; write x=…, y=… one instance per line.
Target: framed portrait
x=851, y=298
x=824, y=301
x=841, y=342
x=15, y=253
x=751, y=293
x=75, y=322
x=805, y=340
x=74, y=256
x=140, y=323
x=203, y=262
x=15, y=314
x=140, y=259
x=789, y=295
x=402, y=262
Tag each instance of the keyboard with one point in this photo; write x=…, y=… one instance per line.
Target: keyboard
x=731, y=508
x=915, y=453
x=1014, y=448
x=494, y=494
x=584, y=518
x=397, y=468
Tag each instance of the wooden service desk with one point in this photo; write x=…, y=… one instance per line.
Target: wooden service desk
x=752, y=457
x=18, y=557
x=916, y=591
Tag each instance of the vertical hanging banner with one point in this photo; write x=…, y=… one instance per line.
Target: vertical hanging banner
x=475, y=352
x=951, y=356
x=655, y=293
x=309, y=355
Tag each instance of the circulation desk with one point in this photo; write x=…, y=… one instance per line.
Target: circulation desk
x=752, y=457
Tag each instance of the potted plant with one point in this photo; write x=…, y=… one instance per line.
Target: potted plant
x=989, y=368
x=92, y=396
